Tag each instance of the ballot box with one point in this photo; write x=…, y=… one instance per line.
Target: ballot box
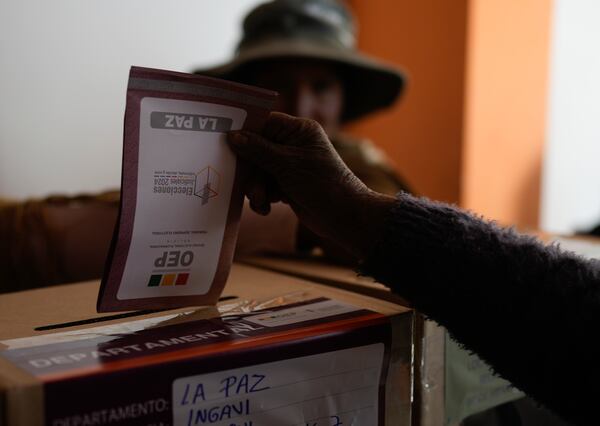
x=276, y=350
x=450, y=383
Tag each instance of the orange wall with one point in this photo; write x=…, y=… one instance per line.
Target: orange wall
x=423, y=132
x=470, y=128
x=505, y=108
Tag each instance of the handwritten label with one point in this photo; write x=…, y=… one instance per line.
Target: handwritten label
x=329, y=389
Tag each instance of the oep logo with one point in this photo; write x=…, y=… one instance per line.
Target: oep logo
x=207, y=184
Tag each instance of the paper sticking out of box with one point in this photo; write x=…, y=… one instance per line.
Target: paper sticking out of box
x=180, y=196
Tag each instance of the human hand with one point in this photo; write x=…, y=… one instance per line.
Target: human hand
x=299, y=165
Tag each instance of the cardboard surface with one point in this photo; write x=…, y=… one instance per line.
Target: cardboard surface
x=429, y=338
x=143, y=366
x=474, y=386
x=324, y=273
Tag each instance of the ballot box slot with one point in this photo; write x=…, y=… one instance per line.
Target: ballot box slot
x=111, y=317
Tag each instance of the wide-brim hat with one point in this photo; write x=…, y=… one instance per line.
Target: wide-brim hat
x=322, y=30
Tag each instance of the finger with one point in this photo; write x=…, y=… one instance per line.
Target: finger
x=274, y=194
x=285, y=129
x=266, y=155
x=255, y=189
x=263, y=208
x=279, y=126
x=262, y=195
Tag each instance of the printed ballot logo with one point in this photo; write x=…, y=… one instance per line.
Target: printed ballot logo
x=170, y=260
x=203, y=184
x=207, y=184
x=160, y=280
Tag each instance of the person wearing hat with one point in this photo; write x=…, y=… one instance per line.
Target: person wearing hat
x=305, y=50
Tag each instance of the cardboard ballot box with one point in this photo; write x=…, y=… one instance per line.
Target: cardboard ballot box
x=277, y=350
x=450, y=383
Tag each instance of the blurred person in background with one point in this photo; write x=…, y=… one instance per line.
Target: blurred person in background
x=55, y=240
x=305, y=50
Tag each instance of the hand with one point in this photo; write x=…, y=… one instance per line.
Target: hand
x=297, y=163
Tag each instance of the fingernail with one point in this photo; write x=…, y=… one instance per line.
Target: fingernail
x=237, y=138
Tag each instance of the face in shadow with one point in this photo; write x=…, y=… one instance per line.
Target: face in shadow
x=307, y=89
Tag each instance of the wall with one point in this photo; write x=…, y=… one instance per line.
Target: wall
x=423, y=132
x=470, y=69
x=64, y=72
x=471, y=127
x=505, y=108
x=571, y=177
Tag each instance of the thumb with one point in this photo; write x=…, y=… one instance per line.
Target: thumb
x=259, y=151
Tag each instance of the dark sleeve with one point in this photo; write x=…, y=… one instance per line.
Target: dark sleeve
x=531, y=311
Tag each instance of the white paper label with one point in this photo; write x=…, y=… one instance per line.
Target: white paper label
x=324, y=309
x=185, y=178
x=328, y=389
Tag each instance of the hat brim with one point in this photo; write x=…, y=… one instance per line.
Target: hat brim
x=369, y=84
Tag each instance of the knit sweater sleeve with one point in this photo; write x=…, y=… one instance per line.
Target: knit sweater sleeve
x=531, y=311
